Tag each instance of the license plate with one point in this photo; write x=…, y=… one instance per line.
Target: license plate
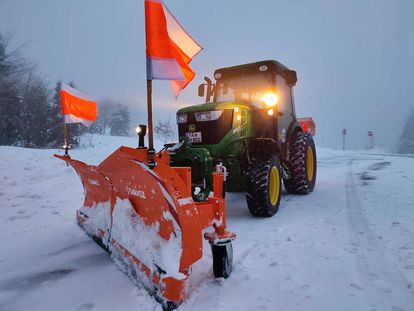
x=194, y=137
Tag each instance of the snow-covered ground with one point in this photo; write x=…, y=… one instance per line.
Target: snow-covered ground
x=347, y=246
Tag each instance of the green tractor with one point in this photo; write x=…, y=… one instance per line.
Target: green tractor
x=248, y=123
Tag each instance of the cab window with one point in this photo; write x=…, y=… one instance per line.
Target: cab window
x=285, y=96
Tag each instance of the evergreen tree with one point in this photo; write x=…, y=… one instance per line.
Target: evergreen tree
x=55, y=119
x=407, y=137
x=10, y=101
x=23, y=101
x=27, y=117
x=120, y=121
x=95, y=128
x=10, y=110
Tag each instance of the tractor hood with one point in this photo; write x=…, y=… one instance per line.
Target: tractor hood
x=211, y=106
x=210, y=123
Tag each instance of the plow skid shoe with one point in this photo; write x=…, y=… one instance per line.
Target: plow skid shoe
x=146, y=219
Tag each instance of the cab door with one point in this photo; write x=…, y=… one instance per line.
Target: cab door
x=286, y=112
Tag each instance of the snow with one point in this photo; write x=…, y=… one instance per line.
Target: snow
x=142, y=241
x=347, y=246
x=185, y=201
x=98, y=218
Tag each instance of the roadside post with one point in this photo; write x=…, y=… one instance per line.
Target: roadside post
x=343, y=138
x=371, y=139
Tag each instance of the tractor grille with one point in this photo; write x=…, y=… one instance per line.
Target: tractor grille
x=212, y=132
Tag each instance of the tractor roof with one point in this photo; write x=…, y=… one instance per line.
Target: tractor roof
x=262, y=66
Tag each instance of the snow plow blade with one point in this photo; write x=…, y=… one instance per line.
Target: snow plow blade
x=147, y=220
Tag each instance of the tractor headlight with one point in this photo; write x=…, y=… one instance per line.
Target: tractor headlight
x=208, y=115
x=270, y=99
x=181, y=118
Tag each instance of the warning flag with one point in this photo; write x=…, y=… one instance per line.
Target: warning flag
x=169, y=47
x=77, y=107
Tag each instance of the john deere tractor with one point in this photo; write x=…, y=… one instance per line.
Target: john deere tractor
x=248, y=123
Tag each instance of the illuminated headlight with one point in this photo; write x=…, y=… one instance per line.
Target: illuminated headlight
x=141, y=130
x=270, y=99
x=181, y=118
x=208, y=115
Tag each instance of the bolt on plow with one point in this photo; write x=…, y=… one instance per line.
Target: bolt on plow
x=145, y=217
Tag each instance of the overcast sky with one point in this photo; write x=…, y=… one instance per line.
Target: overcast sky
x=354, y=58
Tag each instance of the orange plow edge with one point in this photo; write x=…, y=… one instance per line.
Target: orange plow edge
x=147, y=220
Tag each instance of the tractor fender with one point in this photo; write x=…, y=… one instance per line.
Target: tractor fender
x=293, y=127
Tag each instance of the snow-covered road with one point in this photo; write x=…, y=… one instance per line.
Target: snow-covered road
x=347, y=246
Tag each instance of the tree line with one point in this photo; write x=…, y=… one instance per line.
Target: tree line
x=30, y=112
x=406, y=144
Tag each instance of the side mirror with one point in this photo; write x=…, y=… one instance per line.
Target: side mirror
x=201, y=90
x=206, y=89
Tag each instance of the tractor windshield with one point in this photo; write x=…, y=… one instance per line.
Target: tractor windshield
x=249, y=89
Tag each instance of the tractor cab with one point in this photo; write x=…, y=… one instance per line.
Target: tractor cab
x=267, y=87
x=253, y=99
x=256, y=84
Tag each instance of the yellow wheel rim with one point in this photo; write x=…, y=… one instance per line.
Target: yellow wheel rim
x=274, y=185
x=310, y=165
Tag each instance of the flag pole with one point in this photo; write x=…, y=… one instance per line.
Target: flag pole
x=65, y=139
x=151, y=151
x=65, y=134
x=149, y=111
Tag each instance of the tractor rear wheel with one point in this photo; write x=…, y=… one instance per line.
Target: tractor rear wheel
x=302, y=164
x=263, y=186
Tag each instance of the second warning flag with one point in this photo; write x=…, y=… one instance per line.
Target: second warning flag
x=77, y=107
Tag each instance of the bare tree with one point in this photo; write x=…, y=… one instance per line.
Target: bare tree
x=34, y=111
x=106, y=109
x=164, y=131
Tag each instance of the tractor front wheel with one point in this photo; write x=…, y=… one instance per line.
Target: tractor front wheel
x=263, y=186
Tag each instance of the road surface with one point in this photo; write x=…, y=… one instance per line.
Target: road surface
x=347, y=246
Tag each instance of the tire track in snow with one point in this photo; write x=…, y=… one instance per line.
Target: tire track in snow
x=383, y=284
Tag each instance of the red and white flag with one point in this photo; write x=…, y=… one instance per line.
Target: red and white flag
x=77, y=107
x=169, y=47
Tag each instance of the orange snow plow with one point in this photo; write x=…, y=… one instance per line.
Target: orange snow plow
x=147, y=220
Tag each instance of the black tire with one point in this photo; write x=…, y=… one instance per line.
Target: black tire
x=302, y=164
x=222, y=260
x=169, y=306
x=258, y=192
